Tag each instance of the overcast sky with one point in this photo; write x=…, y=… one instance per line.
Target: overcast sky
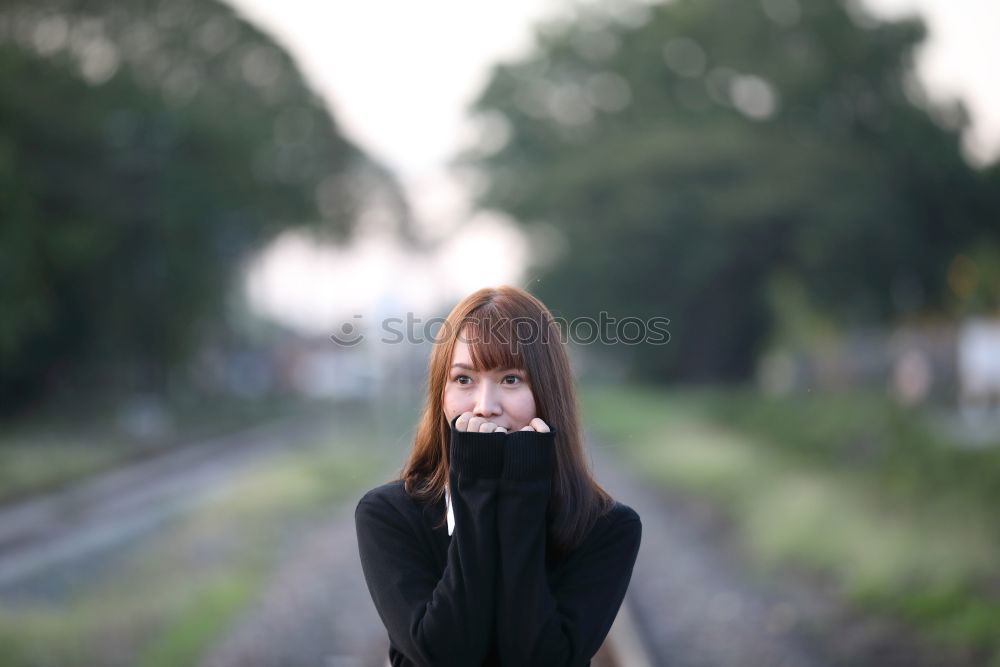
x=399, y=76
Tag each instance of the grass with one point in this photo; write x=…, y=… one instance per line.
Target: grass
x=33, y=463
x=167, y=601
x=205, y=618
x=849, y=486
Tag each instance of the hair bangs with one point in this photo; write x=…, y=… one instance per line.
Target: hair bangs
x=493, y=343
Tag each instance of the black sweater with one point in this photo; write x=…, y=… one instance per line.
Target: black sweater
x=490, y=593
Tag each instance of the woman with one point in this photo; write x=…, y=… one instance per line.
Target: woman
x=495, y=546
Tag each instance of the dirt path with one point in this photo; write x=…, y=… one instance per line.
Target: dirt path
x=694, y=602
x=315, y=611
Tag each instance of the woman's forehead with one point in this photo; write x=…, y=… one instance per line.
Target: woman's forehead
x=462, y=353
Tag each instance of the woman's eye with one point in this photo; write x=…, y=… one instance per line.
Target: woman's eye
x=458, y=378
x=512, y=376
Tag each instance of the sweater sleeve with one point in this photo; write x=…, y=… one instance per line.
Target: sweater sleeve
x=538, y=624
x=432, y=618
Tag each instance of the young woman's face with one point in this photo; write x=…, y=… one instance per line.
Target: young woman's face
x=502, y=396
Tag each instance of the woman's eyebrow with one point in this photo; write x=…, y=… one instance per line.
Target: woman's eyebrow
x=470, y=368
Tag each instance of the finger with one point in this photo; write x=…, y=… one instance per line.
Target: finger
x=527, y=428
x=501, y=429
x=462, y=423
x=540, y=425
x=487, y=427
x=475, y=423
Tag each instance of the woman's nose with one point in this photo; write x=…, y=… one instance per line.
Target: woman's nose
x=487, y=404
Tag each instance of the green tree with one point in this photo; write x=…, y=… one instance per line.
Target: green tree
x=690, y=151
x=146, y=149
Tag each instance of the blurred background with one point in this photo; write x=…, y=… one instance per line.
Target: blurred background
x=227, y=228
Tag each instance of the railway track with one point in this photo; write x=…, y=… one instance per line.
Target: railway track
x=98, y=513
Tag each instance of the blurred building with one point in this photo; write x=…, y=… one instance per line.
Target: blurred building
x=952, y=364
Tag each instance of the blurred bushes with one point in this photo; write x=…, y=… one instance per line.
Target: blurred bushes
x=874, y=499
x=146, y=148
x=680, y=155
x=903, y=449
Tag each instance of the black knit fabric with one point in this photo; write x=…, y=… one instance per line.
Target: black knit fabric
x=486, y=595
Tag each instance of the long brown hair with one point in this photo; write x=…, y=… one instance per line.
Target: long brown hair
x=494, y=322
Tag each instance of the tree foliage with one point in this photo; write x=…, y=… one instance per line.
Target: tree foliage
x=146, y=149
x=690, y=152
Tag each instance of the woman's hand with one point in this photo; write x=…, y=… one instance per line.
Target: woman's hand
x=467, y=422
x=537, y=425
